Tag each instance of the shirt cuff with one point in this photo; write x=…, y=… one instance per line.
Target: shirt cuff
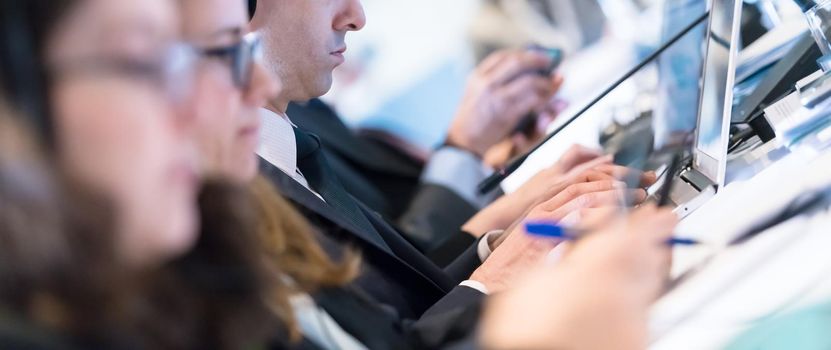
x=484, y=246
x=460, y=171
x=475, y=285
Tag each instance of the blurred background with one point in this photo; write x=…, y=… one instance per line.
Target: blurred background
x=406, y=71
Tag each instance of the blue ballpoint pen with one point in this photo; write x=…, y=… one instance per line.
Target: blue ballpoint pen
x=551, y=230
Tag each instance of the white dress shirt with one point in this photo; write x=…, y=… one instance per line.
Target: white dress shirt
x=319, y=327
x=279, y=147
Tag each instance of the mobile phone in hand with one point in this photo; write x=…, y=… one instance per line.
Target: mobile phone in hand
x=528, y=124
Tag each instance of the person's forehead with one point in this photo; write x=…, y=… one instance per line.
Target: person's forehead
x=101, y=24
x=214, y=19
x=153, y=15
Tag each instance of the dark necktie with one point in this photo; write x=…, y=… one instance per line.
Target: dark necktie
x=312, y=164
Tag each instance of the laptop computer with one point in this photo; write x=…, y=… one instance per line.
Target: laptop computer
x=706, y=171
x=714, y=57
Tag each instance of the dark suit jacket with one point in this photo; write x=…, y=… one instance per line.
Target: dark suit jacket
x=378, y=329
x=387, y=180
x=395, y=274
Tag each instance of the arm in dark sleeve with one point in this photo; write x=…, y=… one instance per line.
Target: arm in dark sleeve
x=446, y=198
x=460, y=268
x=434, y=217
x=451, y=321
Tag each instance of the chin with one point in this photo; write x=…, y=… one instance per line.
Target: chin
x=245, y=170
x=247, y=175
x=176, y=236
x=323, y=86
x=183, y=233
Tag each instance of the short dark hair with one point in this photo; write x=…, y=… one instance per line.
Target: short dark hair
x=252, y=7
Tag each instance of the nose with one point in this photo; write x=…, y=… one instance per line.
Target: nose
x=351, y=18
x=184, y=113
x=264, y=87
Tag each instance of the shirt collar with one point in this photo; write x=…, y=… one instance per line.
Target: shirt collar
x=278, y=145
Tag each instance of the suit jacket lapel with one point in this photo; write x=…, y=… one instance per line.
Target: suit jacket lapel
x=313, y=163
x=299, y=194
x=296, y=192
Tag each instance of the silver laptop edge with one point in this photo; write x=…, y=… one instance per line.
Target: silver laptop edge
x=707, y=173
x=712, y=135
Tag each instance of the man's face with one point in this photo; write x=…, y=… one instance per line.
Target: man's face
x=304, y=41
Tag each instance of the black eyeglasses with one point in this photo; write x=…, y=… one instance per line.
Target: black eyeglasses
x=242, y=57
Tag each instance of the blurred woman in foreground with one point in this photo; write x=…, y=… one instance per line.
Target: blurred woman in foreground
x=103, y=79
x=104, y=83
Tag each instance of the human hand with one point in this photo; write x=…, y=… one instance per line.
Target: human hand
x=516, y=253
x=499, y=155
x=549, y=183
x=596, y=297
x=502, y=90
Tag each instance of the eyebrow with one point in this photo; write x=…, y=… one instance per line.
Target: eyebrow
x=122, y=29
x=142, y=32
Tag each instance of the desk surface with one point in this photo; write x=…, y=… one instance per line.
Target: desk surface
x=782, y=269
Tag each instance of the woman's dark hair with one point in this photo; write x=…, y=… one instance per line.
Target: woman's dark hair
x=57, y=266
x=252, y=8
x=216, y=296
x=25, y=28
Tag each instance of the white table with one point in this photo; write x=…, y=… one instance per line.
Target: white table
x=783, y=269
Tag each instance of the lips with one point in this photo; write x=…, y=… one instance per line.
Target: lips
x=249, y=122
x=338, y=55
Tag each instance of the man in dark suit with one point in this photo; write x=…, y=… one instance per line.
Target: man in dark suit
x=304, y=43
x=389, y=179
x=430, y=197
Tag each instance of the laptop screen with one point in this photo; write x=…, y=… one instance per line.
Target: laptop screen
x=712, y=134
x=679, y=71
